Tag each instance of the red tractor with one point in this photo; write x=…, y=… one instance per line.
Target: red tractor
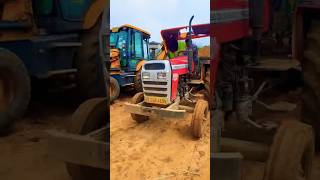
x=239, y=30
x=169, y=86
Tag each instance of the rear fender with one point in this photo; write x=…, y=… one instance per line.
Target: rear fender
x=93, y=14
x=300, y=27
x=139, y=65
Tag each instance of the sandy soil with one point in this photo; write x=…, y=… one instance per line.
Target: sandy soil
x=24, y=153
x=156, y=149
x=164, y=149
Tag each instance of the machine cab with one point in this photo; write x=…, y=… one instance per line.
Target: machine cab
x=132, y=45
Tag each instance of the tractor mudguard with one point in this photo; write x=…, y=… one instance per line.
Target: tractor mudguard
x=94, y=13
x=139, y=65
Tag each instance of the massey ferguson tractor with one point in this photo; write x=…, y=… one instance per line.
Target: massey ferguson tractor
x=170, y=86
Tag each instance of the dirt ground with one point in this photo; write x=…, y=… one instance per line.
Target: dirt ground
x=165, y=149
x=157, y=149
x=24, y=153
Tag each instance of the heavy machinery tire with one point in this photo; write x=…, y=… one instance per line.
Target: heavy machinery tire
x=137, y=98
x=311, y=72
x=114, y=89
x=89, y=75
x=198, y=118
x=291, y=153
x=17, y=84
x=90, y=116
x=138, y=82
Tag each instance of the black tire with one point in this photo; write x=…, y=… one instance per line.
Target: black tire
x=292, y=152
x=90, y=115
x=114, y=89
x=137, y=98
x=15, y=76
x=138, y=82
x=89, y=75
x=200, y=113
x=311, y=73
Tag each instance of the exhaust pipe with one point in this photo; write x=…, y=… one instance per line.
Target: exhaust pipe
x=189, y=43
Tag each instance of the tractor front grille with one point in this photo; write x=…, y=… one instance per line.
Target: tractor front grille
x=155, y=89
x=159, y=89
x=153, y=86
x=156, y=94
x=155, y=83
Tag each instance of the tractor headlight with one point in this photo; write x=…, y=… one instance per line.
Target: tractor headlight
x=161, y=75
x=145, y=75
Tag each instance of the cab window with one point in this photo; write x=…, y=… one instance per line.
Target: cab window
x=138, y=45
x=145, y=48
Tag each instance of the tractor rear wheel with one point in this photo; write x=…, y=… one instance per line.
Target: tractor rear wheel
x=311, y=73
x=199, y=116
x=114, y=89
x=137, y=98
x=291, y=153
x=16, y=84
x=90, y=116
x=138, y=82
x=89, y=75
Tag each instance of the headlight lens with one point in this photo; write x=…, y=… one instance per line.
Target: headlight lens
x=145, y=75
x=161, y=75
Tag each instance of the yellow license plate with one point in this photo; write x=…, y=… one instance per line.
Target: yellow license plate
x=155, y=100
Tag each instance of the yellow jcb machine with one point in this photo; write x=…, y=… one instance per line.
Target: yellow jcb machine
x=53, y=40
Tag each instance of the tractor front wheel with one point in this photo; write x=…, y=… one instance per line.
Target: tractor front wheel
x=139, y=97
x=199, y=116
x=291, y=153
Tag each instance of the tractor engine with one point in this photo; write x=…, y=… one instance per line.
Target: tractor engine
x=163, y=81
